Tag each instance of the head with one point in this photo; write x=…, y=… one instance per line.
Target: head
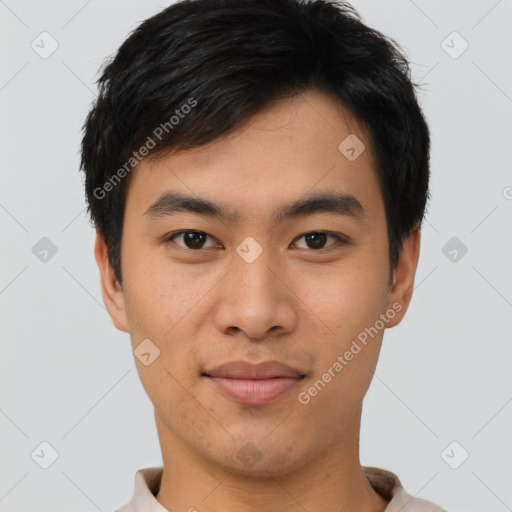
x=287, y=135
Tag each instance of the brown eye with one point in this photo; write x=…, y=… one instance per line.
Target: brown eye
x=191, y=239
x=316, y=240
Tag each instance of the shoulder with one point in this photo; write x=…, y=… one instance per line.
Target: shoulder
x=147, y=483
x=388, y=485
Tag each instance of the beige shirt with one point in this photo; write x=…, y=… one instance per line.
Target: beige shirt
x=387, y=484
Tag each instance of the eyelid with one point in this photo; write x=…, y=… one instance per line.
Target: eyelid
x=342, y=239
x=169, y=239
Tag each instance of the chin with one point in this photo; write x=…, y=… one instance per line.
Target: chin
x=259, y=459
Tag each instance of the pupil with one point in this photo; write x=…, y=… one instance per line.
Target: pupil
x=317, y=240
x=194, y=240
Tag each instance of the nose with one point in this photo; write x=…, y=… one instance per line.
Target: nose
x=257, y=299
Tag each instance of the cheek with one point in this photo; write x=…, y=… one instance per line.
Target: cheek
x=344, y=299
x=346, y=358
x=162, y=305
x=332, y=396
x=156, y=294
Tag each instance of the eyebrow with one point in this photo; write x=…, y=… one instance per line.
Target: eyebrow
x=337, y=203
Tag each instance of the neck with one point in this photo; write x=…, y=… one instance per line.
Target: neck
x=332, y=481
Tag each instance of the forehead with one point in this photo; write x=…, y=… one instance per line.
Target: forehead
x=292, y=148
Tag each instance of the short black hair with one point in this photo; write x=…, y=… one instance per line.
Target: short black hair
x=200, y=68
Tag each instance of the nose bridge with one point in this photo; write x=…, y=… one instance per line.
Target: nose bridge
x=252, y=268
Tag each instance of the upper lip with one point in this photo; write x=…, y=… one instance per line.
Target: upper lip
x=246, y=370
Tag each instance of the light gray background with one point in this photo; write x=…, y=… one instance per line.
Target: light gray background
x=69, y=377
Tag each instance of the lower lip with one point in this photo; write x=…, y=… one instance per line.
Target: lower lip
x=255, y=391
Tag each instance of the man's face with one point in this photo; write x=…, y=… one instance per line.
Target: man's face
x=214, y=298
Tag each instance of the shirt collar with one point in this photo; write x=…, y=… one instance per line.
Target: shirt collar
x=386, y=483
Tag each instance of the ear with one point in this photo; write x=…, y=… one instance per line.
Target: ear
x=111, y=291
x=400, y=292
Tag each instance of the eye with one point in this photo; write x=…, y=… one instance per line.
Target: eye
x=191, y=239
x=316, y=240
x=195, y=240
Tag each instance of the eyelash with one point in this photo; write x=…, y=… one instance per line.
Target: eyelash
x=341, y=240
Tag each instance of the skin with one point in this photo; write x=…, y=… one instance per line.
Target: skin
x=295, y=303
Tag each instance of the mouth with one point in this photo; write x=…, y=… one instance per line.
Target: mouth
x=254, y=384
x=255, y=391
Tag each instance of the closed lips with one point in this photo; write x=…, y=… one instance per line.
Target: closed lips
x=260, y=371
x=254, y=385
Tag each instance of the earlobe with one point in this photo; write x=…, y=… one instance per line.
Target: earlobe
x=402, y=287
x=111, y=291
